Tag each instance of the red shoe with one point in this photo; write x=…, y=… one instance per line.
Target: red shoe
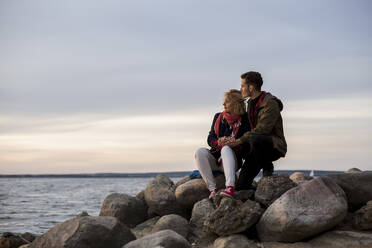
x=213, y=193
x=229, y=192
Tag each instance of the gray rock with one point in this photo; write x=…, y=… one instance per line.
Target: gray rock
x=191, y=192
x=200, y=212
x=285, y=245
x=271, y=188
x=357, y=186
x=244, y=195
x=342, y=239
x=353, y=170
x=234, y=241
x=233, y=216
x=162, y=239
x=306, y=210
x=173, y=222
x=82, y=214
x=13, y=240
x=362, y=219
x=145, y=228
x=160, y=197
x=299, y=177
x=85, y=232
x=128, y=209
x=182, y=181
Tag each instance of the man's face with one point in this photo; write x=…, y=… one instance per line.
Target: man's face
x=244, y=89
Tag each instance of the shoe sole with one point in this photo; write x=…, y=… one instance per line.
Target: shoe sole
x=225, y=194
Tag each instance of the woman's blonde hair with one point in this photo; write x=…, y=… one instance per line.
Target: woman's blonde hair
x=236, y=100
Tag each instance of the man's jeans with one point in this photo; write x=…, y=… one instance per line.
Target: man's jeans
x=258, y=155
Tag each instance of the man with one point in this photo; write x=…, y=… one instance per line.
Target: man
x=265, y=141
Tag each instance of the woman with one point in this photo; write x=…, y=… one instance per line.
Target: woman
x=232, y=122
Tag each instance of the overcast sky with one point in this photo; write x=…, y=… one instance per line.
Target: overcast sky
x=132, y=86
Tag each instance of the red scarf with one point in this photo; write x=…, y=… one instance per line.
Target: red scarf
x=233, y=120
x=253, y=114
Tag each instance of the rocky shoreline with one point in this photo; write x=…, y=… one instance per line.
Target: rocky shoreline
x=334, y=210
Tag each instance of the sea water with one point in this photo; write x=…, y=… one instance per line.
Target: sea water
x=37, y=204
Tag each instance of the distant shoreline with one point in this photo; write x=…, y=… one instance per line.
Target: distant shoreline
x=142, y=175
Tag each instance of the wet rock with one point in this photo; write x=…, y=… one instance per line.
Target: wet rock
x=82, y=214
x=128, y=209
x=271, y=188
x=163, y=239
x=86, y=232
x=233, y=216
x=182, y=181
x=357, y=186
x=362, y=219
x=191, y=192
x=200, y=212
x=145, y=228
x=342, y=239
x=299, y=177
x=234, y=241
x=306, y=210
x=353, y=170
x=173, y=222
x=12, y=240
x=160, y=196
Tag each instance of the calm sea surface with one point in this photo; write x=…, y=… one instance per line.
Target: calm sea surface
x=37, y=204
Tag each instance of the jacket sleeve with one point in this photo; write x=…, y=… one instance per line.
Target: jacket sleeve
x=212, y=137
x=266, y=122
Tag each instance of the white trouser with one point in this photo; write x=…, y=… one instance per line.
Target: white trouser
x=206, y=163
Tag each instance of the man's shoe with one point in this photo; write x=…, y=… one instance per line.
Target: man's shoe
x=268, y=171
x=229, y=192
x=213, y=193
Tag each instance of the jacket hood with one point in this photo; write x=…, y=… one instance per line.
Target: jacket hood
x=269, y=96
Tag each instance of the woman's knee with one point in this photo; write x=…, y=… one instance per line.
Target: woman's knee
x=201, y=152
x=226, y=150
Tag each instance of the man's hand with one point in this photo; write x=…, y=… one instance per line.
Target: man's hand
x=223, y=141
x=232, y=142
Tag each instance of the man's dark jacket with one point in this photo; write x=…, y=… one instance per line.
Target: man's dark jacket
x=269, y=122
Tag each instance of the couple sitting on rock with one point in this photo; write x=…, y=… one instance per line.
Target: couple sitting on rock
x=249, y=130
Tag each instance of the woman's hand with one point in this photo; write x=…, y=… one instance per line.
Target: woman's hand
x=226, y=140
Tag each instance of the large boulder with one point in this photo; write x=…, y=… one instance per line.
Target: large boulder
x=128, y=209
x=233, y=216
x=299, y=177
x=271, y=188
x=234, y=241
x=189, y=193
x=145, y=228
x=173, y=222
x=362, y=218
x=86, y=232
x=162, y=239
x=200, y=213
x=301, y=212
x=160, y=196
x=357, y=186
x=182, y=181
x=342, y=239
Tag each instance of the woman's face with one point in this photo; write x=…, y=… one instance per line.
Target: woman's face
x=227, y=105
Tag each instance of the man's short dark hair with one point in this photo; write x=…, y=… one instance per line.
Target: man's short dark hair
x=254, y=78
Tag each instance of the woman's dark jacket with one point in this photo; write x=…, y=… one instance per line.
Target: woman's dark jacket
x=226, y=130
